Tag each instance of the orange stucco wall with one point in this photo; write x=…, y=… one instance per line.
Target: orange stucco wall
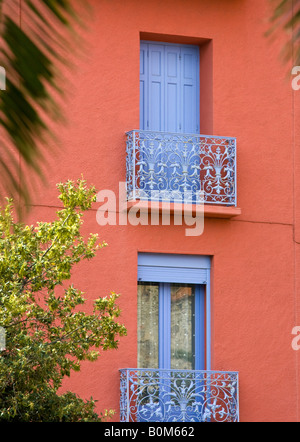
x=255, y=256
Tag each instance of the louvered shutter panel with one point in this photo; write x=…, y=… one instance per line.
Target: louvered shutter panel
x=190, y=94
x=172, y=89
x=169, y=88
x=143, y=86
x=156, y=104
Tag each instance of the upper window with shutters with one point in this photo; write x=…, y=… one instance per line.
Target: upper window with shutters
x=169, y=88
x=169, y=158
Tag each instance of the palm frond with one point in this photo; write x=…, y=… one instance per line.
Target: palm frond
x=32, y=53
x=286, y=17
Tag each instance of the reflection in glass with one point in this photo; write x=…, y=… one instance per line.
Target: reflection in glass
x=182, y=326
x=148, y=325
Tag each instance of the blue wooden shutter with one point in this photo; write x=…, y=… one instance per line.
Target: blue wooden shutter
x=190, y=93
x=169, y=88
x=156, y=103
x=143, y=86
x=172, y=89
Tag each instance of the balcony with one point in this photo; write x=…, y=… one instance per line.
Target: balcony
x=181, y=168
x=155, y=395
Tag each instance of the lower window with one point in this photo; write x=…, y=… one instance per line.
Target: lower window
x=171, y=315
x=170, y=326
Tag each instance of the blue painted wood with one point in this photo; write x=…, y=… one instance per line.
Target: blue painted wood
x=173, y=88
x=169, y=88
x=190, y=91
x=200, y=327
x=156, y=103
x=143, y=86
x=174, y=260
x=189, y=269
x=172, y=274
x=208, y=324
x=165, y=327
x=164, y=331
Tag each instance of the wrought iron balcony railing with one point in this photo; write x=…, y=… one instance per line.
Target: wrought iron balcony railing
x=154, y=395
x=164, y=166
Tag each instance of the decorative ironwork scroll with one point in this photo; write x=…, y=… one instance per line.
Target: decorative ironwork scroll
x=154, y=395
x=181, y=167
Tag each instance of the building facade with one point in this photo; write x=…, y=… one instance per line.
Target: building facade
x=182, y=116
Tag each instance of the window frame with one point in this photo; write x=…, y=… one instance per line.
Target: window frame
x=145, y=79
x=166, y=269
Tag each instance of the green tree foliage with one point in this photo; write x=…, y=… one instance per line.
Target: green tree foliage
x=36, y=41
x=48, y=334
x=286, y=17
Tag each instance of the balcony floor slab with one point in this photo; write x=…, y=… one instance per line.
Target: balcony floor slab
x=210, y=210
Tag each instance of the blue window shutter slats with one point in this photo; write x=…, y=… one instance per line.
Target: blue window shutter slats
x=173, y=260
x=170, y=92
x=190, y=94
x=156, y=87
x=143, y=86
x=172, y=89
x=190, y=269
x=172, y=274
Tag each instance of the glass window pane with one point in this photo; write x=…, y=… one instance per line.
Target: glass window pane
x=182, y=326
x=148, y=324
